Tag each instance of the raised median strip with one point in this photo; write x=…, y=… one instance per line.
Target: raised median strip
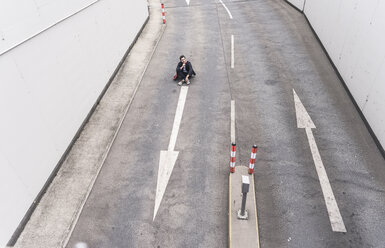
x=243, y=233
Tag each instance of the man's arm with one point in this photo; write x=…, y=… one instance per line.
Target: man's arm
x=190, y=68
x=179, y=66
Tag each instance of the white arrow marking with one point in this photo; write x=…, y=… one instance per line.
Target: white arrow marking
x=304, y=121
x=303, y=118
x=168, y=158
x=188, y=2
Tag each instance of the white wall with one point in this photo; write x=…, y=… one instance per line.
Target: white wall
x=353, y=33
x=49, y=83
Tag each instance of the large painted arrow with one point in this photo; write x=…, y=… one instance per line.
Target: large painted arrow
x=304, y=121
x=168, y=158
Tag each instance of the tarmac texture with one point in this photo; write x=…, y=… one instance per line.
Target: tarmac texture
x=274, y=53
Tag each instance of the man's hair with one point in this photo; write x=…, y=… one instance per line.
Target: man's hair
x=182, y=56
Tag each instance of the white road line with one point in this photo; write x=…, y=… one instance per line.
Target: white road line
x=168, y=158
x=178, y=117
x=335, y=217
x=188, y=2
x=228, y=11
x=304, y=121
x=232, y=121
x=232, y=51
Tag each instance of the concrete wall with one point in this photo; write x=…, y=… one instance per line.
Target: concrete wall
x=353, y=34
x=299, y=4
x=56, y=57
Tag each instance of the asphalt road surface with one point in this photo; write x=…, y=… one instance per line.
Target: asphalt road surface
x=275, y=52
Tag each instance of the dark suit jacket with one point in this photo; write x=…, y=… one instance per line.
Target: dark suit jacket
x=189, y=68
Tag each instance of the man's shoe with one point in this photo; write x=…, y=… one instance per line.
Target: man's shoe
x=180, y=83
x=188, y=82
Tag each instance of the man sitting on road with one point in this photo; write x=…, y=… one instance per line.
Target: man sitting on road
x=184, y=71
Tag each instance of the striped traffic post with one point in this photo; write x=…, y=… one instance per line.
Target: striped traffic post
x=232, y=157
x=163, y=14
x=252, y=158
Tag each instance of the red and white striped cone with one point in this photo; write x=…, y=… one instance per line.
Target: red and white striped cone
x=163, y=14
x=232, y=157
x=252, y=159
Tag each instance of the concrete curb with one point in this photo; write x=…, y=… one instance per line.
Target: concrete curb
x=242, y=233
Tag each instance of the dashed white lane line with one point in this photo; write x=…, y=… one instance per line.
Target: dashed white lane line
x=304, y=121
x=228, y=11
x=232, y=51
x=232, y=121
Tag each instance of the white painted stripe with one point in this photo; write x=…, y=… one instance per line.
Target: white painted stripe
x=331, y=204
x=253, y=155
x=228, y=11
x=232, y=51
x=303, y=117
x=188, y=2
x=232, y=154
x=304, y=121
x=232, y=121
x=178, y=117
x=167, y=161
